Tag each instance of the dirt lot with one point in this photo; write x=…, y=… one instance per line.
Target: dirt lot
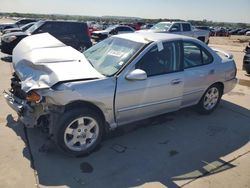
x=181, y=149
x=235, y=45
x=6, y=20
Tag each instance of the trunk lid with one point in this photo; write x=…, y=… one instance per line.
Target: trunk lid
x=41, y=61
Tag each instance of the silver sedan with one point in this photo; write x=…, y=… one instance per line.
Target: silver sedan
x=122, y=79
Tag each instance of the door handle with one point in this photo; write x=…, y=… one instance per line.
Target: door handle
x=176, y=82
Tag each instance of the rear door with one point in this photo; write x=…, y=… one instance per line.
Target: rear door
x=199, y=72
x=187, y=30
x=161, y=92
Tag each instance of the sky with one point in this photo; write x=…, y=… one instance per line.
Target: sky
x=214, y=10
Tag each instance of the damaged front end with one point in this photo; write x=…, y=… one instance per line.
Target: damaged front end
x=40, y=62
x=32, y=109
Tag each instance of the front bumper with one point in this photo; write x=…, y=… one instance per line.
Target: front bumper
x=14, y=102
x=25, y=113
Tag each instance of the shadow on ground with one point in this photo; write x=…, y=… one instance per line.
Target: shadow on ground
x=179, y=146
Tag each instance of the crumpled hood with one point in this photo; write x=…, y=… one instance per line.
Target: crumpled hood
x=41, y=61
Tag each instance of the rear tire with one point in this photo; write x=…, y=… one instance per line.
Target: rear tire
x=210, y=99
x=79, y=131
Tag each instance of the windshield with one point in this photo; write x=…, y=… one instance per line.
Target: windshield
x=161, y=26
x=108, y=56
x=26, y=26
x=34, y=27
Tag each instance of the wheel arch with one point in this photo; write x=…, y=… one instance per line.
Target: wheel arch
x=85, y=104
x=202, y=38
x=220, y=84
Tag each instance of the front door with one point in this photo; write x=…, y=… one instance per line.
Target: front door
x=161, y=92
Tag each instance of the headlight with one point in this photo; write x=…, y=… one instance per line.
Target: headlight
x=9, y=39
x=33, y=96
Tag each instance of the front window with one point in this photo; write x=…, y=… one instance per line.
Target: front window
x=108, y=56
x=161, y=26
x=157, y=62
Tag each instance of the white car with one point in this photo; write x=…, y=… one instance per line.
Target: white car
x=112, y=30
x=181, y=28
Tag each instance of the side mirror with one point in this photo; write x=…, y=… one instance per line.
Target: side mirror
x=137, y=74
x=174, y=29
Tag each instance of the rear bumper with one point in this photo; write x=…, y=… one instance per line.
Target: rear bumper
x=230, y=85
x=246, y=63
x=6, y=48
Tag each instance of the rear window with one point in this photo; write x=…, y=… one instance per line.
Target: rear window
x=195, y=55
x=64, y=27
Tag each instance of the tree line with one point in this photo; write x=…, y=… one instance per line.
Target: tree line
x=120, y=19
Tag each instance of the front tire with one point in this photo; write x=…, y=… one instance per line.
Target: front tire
x=79, y=131
x=210, y=99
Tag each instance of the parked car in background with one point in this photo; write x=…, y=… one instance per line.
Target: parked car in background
x=120, y=80
x=136, y=26
x=112, y=30
x=147, y=26
x=181, y=28
x=18, y=23
x=219, y=32
x=248, y=33
x=234, y=31
x=75, y=34
x=18, y=29
x=243, y=31
x=246, y=59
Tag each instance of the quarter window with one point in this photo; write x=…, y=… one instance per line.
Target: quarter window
x=195, y=55
x=157, y=62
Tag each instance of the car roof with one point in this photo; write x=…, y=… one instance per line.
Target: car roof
x=147, y=37
x=62, y=21
x=172, y=22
